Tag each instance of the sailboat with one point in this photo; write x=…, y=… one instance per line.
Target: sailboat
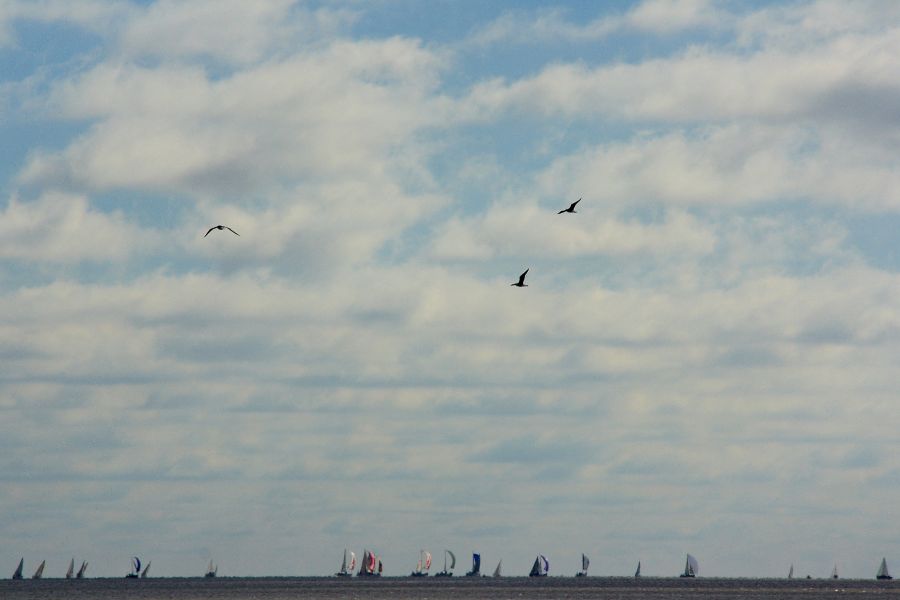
x=347, y=567
x=498, y=569
x=446, y=572
x=146, y=570
x=71, y=572
x=691, y=567
x=80, y=574
x=371, y=565
x=585, y=563
x=423, y=565
x=834, y=574
x=476, y=566
x=883, y=571
x=40, y=570
x=541, y=567
x=18, y=573
x=637, y=572
x=211, y=570
x=135, y=568
x=791, y=572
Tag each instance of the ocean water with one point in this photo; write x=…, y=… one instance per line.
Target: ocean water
x=401, y=588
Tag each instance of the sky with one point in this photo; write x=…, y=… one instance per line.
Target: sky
x=705, y=359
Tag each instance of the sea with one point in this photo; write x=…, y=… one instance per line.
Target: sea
x=403, y=588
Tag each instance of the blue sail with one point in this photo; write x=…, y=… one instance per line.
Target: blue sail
x=476, y=563
x=137, y=564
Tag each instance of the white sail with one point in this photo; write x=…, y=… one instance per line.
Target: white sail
x=834, y=573
x=40, y=570
x=585, y=563
x=791, y=572
x=637, y=572
x=146, y=569
x=18, y=573
x=499, y=567
x=691, y=567
x=452, y=560
x=344, y=563
x=71, y=570
x=883, y=570
x=81, y=571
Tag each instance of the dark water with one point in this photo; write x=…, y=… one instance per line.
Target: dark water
x=277, y=588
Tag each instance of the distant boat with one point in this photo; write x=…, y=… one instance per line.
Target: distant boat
x=146, y=570
x=834, y=574
x=476, y=566
x=637, y=572
x=135, y=568
x=585, y=563
x=211, y=570
x=447, y=572
x=791, y=572
x=40, y=570
x=371, y=565
x=691, y=567
x=80, y=574
x=18, y=573
x=423, y=565
x=883, y=571
x=497, y=572
x=541, y=567
x=71, y=572
x=347, y=567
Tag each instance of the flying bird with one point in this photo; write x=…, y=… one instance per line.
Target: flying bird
x=521, y=282
x=571, y=209
x=220, y=228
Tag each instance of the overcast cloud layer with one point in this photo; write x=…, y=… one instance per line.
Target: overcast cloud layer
x=705, y=360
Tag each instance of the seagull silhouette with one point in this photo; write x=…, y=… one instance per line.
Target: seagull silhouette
x=521, y=282
x=571, y=209
x=220, y=228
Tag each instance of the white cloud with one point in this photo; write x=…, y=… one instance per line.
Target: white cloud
x=529, y=232
x=62, y=228
x=234, y=32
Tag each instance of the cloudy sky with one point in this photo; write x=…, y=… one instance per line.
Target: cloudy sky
x=705, y=360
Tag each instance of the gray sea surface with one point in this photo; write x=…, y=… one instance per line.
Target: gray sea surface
x=401, y=588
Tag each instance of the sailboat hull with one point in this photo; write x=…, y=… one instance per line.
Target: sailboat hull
x=443, y=574
x=883, y=577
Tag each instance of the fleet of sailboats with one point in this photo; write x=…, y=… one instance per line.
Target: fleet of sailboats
x=371, y=566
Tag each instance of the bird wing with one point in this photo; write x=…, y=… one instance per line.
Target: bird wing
x=232, y=231
x=562, y=211
x=522, y=276
x=207, y=233
x=576, y=202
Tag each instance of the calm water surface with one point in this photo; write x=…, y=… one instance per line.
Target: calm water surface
x=401, y=588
